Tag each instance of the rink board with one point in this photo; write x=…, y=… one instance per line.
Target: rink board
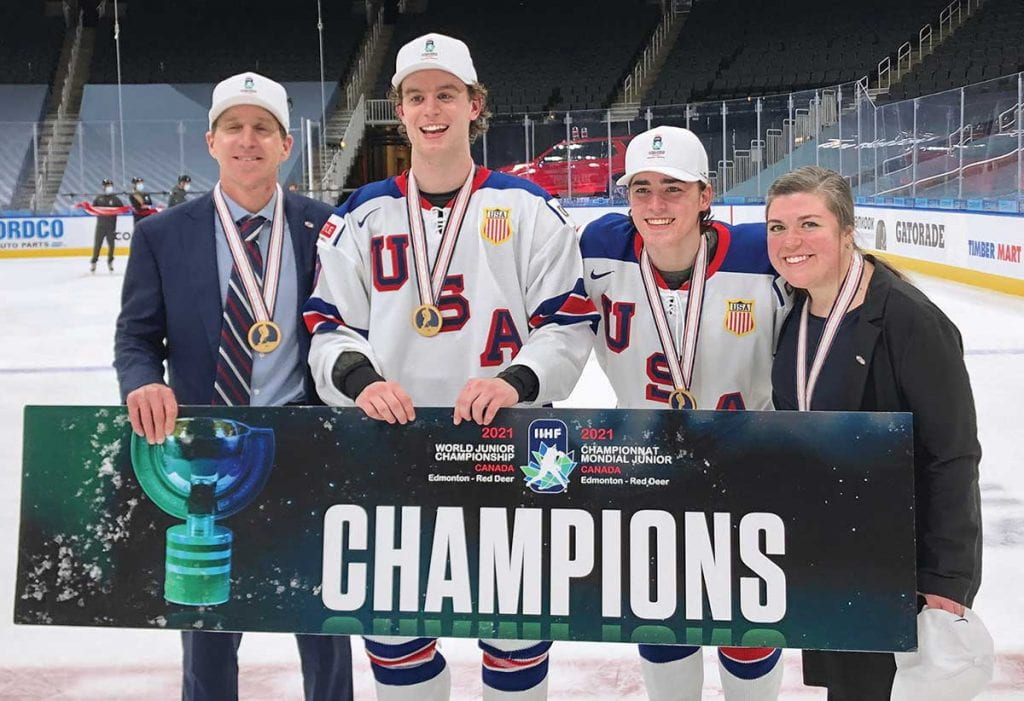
x=723, y=528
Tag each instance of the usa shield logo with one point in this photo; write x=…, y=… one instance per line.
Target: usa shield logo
x=739, y=316
x=496, y=225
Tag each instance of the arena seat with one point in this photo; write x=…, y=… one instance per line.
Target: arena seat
x=196, y=41
x=749, y=47
x=30, y=44
x=986, y=46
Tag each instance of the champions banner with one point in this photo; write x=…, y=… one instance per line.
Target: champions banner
x=723, y=528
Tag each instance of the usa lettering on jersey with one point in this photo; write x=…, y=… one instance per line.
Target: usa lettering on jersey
x=514, y=293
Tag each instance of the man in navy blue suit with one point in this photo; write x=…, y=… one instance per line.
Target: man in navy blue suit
x=214, y=288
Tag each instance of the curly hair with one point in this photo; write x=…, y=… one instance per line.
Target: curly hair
x=477, y=127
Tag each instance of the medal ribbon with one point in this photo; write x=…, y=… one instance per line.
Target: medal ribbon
x=680, y=366
x=430, y=282
x=841, y=305
x=260, y=301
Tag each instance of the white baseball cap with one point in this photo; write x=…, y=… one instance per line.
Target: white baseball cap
x=954, y=659
x=434, y=52
x=671, y=151
x=250, y=89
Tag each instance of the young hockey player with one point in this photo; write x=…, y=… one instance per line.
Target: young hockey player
x=690, y=310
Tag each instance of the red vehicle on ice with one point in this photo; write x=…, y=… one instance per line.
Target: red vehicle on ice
x=587, y=160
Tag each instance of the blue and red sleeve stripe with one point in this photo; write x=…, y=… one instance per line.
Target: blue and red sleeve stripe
x=574, y=307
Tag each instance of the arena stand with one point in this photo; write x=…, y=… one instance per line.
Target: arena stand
x=537, y=55
x=551, y=89
x=197, y=41
x=987, y=47
x=30, y=40
x=736, y=48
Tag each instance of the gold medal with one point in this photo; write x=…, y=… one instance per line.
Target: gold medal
x=427, y=320
x=680, y=364
x=264, y=336
x=682, y=399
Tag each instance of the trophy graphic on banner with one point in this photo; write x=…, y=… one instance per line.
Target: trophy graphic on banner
x=205, y=471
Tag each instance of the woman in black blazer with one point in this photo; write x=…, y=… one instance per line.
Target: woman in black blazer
x=871, y=341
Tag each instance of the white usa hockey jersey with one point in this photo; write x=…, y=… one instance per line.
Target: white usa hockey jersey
x=514, y=290
x=745, y=303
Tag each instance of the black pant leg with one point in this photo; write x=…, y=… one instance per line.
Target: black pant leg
x=326, y=667
x=851, y=676
x=110, y=246
x=97, y=241
x=209, y=666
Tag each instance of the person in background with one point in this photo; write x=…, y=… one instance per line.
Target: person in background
x=196, y=273
x=106, y=225
x=874, y=342
x=179, y=190
x=140, y=201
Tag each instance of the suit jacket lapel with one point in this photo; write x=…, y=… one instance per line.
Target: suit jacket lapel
x=304, y=233
x=303, y=243
x=866, y=335
x=199, y=251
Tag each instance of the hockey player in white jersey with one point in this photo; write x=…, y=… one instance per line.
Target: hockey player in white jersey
x=690, y=311
x=449, y=285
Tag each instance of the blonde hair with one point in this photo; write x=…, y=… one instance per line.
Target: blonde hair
x=477, y=127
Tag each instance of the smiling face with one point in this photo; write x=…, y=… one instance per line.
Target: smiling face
x=806, y=243
x=667, y=211
x=436, y=110
x=248, y=144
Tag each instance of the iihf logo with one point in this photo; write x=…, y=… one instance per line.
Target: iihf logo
x=429, y=48
x=656, y=145
x=550, y=461
x=248, y=83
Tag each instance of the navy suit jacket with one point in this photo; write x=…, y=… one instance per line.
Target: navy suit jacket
x=171, y=307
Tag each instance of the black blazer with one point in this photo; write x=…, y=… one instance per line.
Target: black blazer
x=913, y=361
x=171, y=307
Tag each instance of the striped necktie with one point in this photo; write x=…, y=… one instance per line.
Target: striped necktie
x=234, y=360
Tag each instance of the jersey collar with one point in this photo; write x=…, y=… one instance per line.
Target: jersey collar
x=402, y=181
x=714, y=264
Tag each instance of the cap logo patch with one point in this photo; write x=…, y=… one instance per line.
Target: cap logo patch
x=656, y=152
x=429, y=48
x=248, y=83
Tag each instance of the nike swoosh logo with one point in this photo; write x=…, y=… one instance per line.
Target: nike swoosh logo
x=360, y=223
x=594, y=276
